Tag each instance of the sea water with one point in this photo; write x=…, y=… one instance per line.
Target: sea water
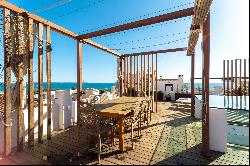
x=69, y=85
x=105, y=86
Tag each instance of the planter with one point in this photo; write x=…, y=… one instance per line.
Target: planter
x=159, y=96
x=168, y=98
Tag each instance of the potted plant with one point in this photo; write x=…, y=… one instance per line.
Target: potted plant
x=168, y=97
x=159, y=96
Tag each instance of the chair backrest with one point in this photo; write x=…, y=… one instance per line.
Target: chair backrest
x=104, y=98
x=144, y=104
x=93, y=99
x=141, y=94
x=137, y=108
x=87, y=116
x=149, y=103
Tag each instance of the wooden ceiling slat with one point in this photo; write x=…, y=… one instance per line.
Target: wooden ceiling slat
x=201, y=10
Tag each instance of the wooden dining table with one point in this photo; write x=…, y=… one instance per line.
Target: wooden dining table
x=117, y=109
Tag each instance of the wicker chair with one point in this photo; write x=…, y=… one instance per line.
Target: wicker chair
x=141, y=94
x=91, y=124
x=147, y=110
x=136, y=118
x=93, y=99
x=104, y=98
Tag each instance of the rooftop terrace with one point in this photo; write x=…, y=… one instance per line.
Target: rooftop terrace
x=173, y=137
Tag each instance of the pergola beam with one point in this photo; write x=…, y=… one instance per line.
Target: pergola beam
x=155, y=52
x=99, y=46
x=201, y=9
x=53, y=26
x=140, y=23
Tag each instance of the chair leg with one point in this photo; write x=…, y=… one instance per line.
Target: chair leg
x=151, y=110
x=148, y=117
x=138, y=128
x=99, y=148
x=78, y=141
x=113, y=135
x=140, y=124
x=132, y=135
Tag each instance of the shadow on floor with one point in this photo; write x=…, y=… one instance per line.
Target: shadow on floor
x=63, y=148
x=191, y=156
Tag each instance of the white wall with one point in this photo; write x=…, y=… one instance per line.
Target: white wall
x=61, y=117
x=218, y=130
x=177, y=86
x=54, y=126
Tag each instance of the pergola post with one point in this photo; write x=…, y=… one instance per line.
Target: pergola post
x=245, y=80
x=124, y=76
x=31, y=86
x=232, y=77
x=137, y=74
x=40, y=82
x=153, y=84
x=145, y=84
x=240, y=75
x=236, y=76
x=224, y=77
x=48, y=71
x=149, y=75
x=120, y=76
x=205, y=77
x=127, y=79
x=192, y=83
x=134, y=79
x=131, y=80
x=79, y=77
x=20, y=116
x=156, y=82
x=227, y=77
x=7, y=82
x=141, y=80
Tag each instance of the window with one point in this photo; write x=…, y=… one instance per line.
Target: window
x=169, y=86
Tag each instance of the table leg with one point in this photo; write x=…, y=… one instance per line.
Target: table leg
x=121, y=134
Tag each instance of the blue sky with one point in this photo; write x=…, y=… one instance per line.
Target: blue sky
x=229, y=35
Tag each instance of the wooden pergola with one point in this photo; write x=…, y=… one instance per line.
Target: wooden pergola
x=139, y=79
x=234, y=75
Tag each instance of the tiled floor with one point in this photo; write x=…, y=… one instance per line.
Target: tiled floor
x=22, y=158
x=173, y=137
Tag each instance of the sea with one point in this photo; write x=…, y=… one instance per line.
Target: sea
x=103, y=86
